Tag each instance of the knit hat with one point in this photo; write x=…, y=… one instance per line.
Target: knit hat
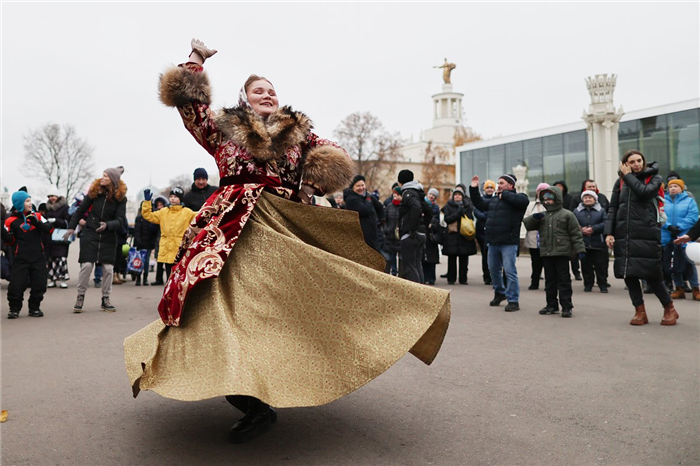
x=177, y=191
x=489, y=183
x=18, y=199
x=434, y=192
x=356, y=180
x=672, y=175
x=115, y=174
x=679, y=182
x=405, y=176
x=201, y=173
x=590, y=193
x=509, y=177
x=397, y=189
x=458, y=189
x=542, y=186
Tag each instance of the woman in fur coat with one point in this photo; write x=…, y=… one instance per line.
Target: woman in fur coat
x=273, y=301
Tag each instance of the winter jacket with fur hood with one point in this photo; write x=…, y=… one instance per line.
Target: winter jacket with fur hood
x=632, y=220
x=94, y=246
x=560, y=234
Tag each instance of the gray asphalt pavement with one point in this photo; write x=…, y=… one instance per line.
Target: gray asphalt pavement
x=507, y=389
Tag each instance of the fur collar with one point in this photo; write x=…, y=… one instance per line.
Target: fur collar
x=265, y=139
x=119, y=194
x=60, y=202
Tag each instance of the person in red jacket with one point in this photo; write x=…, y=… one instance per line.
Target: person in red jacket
x=25, y=227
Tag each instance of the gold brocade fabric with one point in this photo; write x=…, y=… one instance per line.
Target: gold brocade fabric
x=300, y=315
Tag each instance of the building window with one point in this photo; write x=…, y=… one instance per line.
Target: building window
x=684, y=146
x=553, y=160
x=532, y=152
x=497, y=159
x=575, y=159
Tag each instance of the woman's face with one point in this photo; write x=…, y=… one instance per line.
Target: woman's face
x=636, y=163
x=262, y=97
x=588, y=200
x=104, y=181
x=359, y=187
x=458, y=197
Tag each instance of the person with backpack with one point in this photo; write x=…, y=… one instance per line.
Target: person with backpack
x=455, y=245
x=633, y=230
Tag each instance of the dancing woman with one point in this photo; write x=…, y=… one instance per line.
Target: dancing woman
x=272, y=301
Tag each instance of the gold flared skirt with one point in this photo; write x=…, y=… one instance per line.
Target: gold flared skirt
x=300, y=315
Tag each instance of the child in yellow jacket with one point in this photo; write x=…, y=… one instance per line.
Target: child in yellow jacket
x=173, y=222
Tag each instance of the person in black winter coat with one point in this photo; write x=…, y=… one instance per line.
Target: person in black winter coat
x=455, y=245
x=57, y=214
x=105, y=204
x=145, y=234
x=23, y=230
x=392, y=243
x=200, y=192
x=591, y=217
x=367, y=206
x=415, y=216
x=431, y=252
x=633, y=229
x=505, y=213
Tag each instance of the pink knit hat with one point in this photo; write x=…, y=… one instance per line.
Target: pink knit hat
x=542, y=186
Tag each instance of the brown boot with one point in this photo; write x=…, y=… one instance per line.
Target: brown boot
x=116, y=280
x=678, y=293
x=670, y=315
x=640, y=316
x=696, y=293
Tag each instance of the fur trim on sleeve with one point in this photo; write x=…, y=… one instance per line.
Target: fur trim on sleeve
x=180, y=86
x=329, y=168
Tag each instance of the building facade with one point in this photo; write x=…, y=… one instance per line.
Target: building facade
x=669, y=135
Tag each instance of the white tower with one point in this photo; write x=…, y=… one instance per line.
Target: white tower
x=447, y=115
x=602, y=125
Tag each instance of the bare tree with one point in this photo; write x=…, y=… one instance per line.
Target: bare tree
x=184, y=181
x=437, y=165
x=59, y=156
x=375, y=150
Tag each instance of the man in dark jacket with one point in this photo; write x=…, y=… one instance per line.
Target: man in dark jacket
x=414, y=215
x=200, y=192
x=505, y=212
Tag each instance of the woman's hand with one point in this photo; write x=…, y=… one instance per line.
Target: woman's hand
x=682, y=239
x=625, y=169
x=68, y=234
x=610, y=241
x=200, y=52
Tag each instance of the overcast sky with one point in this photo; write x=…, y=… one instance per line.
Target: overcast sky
x=520, y=66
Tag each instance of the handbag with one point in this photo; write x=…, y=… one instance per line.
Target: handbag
x=467, y=228
x=136, y=260
x=57, y=236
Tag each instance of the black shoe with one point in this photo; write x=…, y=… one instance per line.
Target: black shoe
x=488, y=282
x=13, y=315
x=106, y=305
x=36, y=313
x=450, y=283
x=463, y=283
x=549, y=310
x=578, y=277
x=443, y=275
x=157, y=283
x=587, y=289
x=512, y=307
x=533, y=287
x=252, y=425
x=138, y=280
x=79, y=302
x=431, y=282
x=687, y=287
x=566, y=312
x=498, y=298
x=603, y=289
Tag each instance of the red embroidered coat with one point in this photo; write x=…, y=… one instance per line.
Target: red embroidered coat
x=253, y=154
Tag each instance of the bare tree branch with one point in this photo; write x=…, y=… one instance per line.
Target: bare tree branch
x=59, y=156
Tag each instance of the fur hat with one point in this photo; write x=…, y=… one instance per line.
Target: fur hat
x=405, y=176
x=115, y=174
x=509, y=177
x=589, y=193
x=18, y=199
x=679, y=182
x=489, y=183
x=201, y=173
x=434, y=192
x=356, y=180
x=177, y=191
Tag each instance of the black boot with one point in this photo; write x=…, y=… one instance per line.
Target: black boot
x=256, y=421
x=498, y=298
x=138, y=280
